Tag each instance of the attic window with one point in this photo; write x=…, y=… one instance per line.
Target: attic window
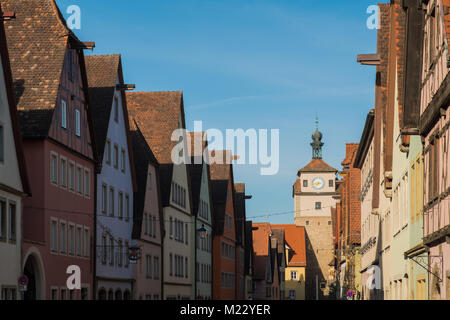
x=2, y=152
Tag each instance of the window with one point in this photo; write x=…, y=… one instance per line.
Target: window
x=294, y=275
x=171, y=227
x=111, y=202
x=116, y=156
x=318, y=205
x=122, y=167
x=2, y=144
x=170, y=264
x=72, y=175
x=150, y=181
x=127, y=207
x=77, y=123
x=63, y=114
x=187, y=233
x=120, y=205
x=156, y=268
x=84, y=293
x=62, y=237
x=127, y=254
x=54, y=168
x=104, y=252
x=54, y=236
x=2, y=219
x=307, y=223
x=111, y=251
x=116, y=109
x=54, y=294
x=305, y=183
x=331, y=183
x=104, y=198
x=149, y=266
x=12, y=222
x=63, y=294
x=292, y=294
x=79, y=240
x=186, y=265
x=120, y=254
x=87, y=182
x=329, y=223
x=87, y=242
x=80, y=180
x=108, y=152
x=154, y=227
x=63, y=172
x=71, y=240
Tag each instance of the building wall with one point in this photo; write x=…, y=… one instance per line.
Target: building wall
x=204, y=246
x=177, y=287
x=220, y=263
x=298, y=286
x=53, y=202
x=115, y=227
x=149, y=287
x=10, y=188
x=400, y=215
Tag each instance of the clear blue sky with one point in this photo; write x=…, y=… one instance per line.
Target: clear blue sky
x=264, y=64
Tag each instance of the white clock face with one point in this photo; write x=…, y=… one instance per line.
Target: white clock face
x=318, y=183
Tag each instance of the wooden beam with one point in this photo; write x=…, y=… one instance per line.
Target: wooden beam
x=125, y=87
x=369, y=59
x=85, y=45
x=8, y=15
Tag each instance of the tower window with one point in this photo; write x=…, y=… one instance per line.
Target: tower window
x=318, y=205
x=331, y=183
x=305, y=183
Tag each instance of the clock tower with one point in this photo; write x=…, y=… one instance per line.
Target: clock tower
x=313, y=194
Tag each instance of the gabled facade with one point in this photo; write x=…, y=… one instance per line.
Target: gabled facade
x=295, y=261
x=158, y=115
x=266, y=278
x=202, y=226
x=224, y=228
x=370, y=231
x=434, y=129
x=240, y=198
x=14, y=185
x=248, y=264
x=115, y=183
x=59, y=147
x=148, y=218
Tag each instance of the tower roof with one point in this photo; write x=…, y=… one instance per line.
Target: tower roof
x=317, y=165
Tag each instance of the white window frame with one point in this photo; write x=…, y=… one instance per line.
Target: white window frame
x=54, y=168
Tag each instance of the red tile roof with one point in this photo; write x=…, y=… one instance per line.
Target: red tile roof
x=38, y=38
x=297, y=187
x=4, y=57
x=260, y=249
x=295, y=239
x=157, y=114
x=317, y=165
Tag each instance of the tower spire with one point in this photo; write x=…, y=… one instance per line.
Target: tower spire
x=317, y=143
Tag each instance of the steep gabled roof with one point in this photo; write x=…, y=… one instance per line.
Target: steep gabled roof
x=297, y=187
x=239, y=205
x=221, y=176
x=102, y=72
x=12, y=108
x=38, y=38
x=261, y=249
x=317, y=165
x=157, y=115
x=143, y=157
x=295, y=239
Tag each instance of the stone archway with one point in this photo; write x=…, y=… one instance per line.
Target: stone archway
x=102, y=294
x=33, y=269
x=118, y=295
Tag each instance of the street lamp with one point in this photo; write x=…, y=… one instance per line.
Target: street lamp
x=202, y=232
